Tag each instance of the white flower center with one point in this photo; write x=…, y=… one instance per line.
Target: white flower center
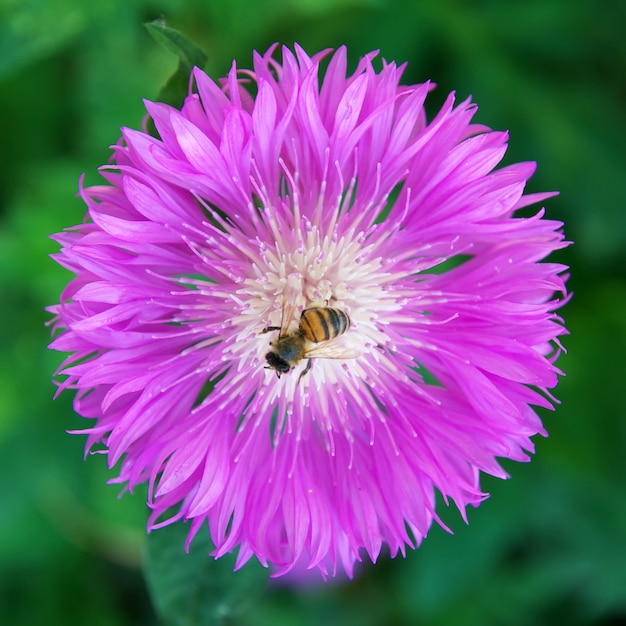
x=303, y=269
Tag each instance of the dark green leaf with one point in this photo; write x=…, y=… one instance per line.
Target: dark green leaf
x=189, y=56
x=193, y=588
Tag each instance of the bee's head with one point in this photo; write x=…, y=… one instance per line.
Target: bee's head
x=276, y=363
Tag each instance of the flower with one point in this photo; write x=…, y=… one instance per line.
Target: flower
x=288, y=188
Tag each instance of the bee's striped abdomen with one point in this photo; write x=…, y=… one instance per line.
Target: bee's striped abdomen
x=323, y=323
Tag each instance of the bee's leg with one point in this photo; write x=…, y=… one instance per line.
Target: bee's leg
x=269, y=329
x=268, y=367
x=306, y=369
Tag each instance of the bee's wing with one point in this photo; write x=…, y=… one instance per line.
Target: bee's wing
x=330, y=350
x=289, y=316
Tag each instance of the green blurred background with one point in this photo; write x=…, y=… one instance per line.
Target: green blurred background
x=549, y=547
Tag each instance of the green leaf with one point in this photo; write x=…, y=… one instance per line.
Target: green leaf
x=189, y=56
x=192, y=589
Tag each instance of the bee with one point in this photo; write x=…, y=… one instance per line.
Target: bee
x=317, y=325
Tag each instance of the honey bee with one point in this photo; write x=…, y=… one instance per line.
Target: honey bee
x=317, y=325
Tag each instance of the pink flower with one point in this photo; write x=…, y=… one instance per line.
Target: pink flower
x=288, y=188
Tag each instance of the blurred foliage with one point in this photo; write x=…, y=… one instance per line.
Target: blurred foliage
x=193, y=589
x=550, y=545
